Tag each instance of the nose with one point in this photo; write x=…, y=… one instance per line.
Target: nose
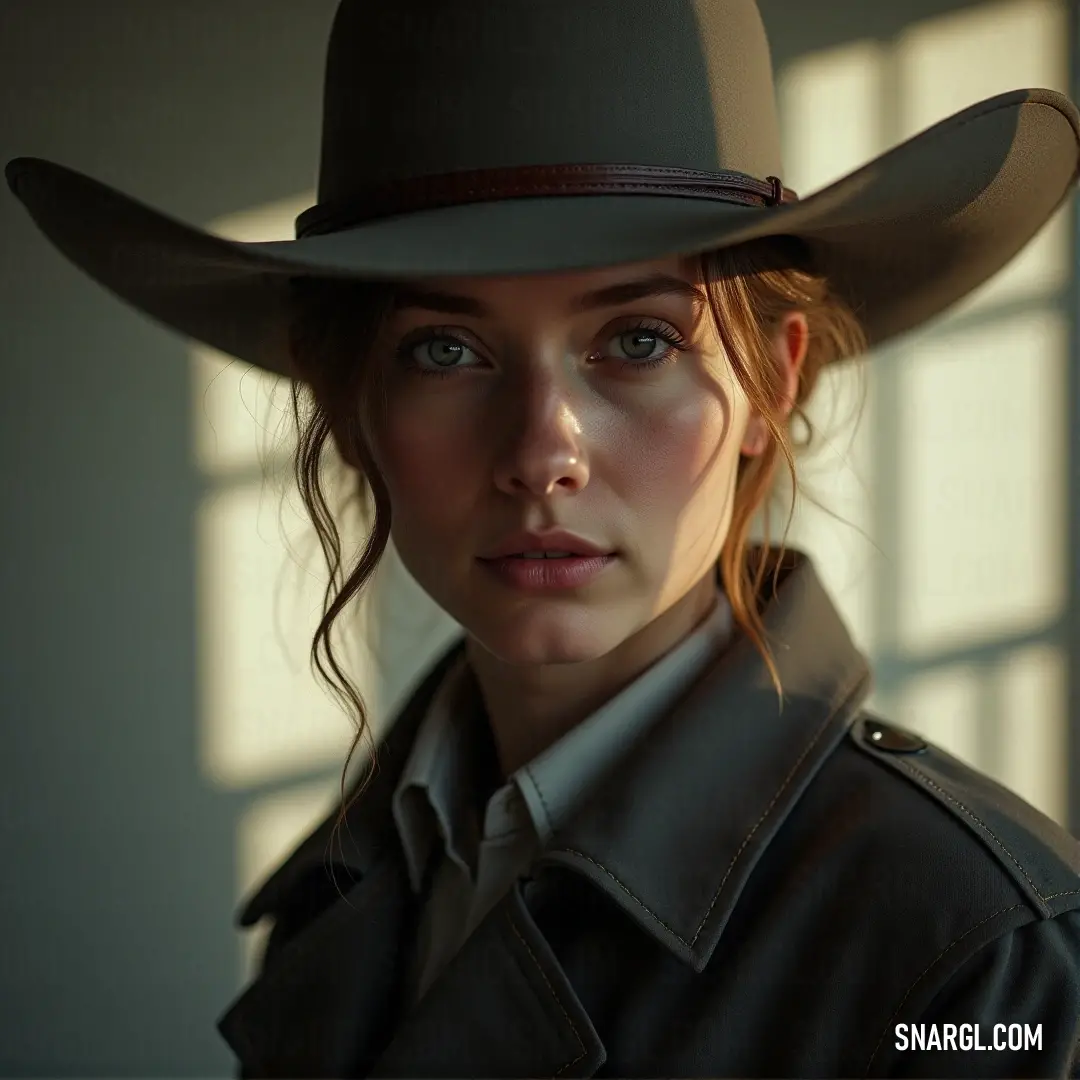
x=544, y=448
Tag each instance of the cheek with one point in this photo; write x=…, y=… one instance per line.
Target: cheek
x=429, y=459
x=670, y=457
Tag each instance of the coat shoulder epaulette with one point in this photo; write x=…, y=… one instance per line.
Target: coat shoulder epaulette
x=1040, y=856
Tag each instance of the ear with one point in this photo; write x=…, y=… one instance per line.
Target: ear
x=789, y=346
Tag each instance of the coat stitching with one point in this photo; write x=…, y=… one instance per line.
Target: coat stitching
x=933, y=963
x=843, y=698
x=924, y=779
x=551, y=989
x=1064, y=892
x=652, y=915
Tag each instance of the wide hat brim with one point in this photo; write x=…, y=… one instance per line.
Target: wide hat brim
x=901, y=238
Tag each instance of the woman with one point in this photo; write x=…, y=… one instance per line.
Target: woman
x=556, y=310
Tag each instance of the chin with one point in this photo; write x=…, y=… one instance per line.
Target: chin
x=550, y=637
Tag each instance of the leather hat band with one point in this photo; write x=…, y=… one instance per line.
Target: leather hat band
x=486, y=185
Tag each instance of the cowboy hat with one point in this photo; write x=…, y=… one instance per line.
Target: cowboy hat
x=474, y=138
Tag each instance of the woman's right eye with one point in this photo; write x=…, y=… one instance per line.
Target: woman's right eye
x=436, y=355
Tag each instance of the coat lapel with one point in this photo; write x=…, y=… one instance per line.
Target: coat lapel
x=502, y=1006
x=329, y=1002
x=326, y=1002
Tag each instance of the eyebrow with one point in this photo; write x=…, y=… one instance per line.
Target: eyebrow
x=625, y=292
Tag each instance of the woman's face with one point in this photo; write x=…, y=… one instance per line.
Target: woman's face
x=597, y=403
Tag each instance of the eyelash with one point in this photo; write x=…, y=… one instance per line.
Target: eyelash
x=663, y=331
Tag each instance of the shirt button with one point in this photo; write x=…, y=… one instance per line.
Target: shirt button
x=892, y=739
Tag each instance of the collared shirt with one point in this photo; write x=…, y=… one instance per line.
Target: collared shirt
x=474, y=857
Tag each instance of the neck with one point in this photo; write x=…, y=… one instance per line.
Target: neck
x=531, y=706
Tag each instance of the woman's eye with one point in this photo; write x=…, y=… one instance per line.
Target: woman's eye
x=438, y=354
x=647, y=345
x=640, y=344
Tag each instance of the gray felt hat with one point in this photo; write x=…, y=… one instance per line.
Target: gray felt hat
x=475, y=137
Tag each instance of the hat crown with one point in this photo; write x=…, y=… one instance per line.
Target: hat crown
x=425, y=87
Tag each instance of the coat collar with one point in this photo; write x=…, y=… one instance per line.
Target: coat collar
x=695, y=803
x=671, y=836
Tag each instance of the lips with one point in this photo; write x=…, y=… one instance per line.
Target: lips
x=551, y=544
x=546, y=575
x=542, y=555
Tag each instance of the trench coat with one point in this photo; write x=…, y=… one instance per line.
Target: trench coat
x=753, y=891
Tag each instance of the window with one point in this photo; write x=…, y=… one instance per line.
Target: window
x=958, y=470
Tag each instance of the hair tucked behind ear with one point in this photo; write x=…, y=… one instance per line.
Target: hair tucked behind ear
x=750, y=289
x=337, y=399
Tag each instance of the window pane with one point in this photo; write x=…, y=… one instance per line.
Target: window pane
x=982, y=482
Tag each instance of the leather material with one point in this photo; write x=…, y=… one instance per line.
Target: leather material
x=524, y=181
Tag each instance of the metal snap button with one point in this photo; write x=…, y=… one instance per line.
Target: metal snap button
x=893, y=739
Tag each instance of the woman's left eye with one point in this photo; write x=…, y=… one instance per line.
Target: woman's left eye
x=648, y=344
